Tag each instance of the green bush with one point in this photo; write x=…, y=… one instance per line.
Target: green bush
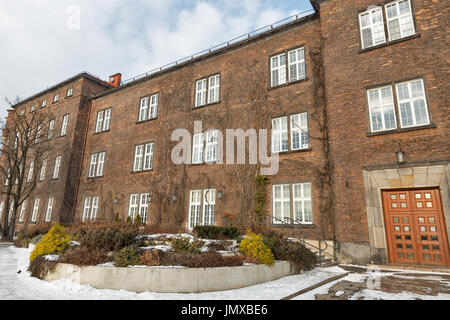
x=185, y=245
x=216, y=232
x=55, y=241
x=253, y=246
x=127, y=257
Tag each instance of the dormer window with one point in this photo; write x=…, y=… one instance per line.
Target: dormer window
x=44, y=104
x=69, y=92
x=56, y=98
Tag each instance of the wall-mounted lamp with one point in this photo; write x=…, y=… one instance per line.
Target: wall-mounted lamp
x=174, y=198
x=219, y=194
x=149, y=199
x=116, y=200
x=400, y=157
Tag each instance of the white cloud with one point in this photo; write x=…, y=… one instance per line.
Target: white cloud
x=131, y=37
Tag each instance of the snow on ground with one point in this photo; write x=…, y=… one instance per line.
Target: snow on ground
x=27, y=287
x=368, y=294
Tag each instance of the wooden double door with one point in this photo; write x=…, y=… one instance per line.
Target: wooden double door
x=415, y=227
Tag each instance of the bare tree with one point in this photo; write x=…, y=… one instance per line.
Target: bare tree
x=23, y=147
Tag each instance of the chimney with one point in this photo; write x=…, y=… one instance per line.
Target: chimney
x=115, y=80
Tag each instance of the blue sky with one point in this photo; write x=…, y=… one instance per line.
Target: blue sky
x=42, y=43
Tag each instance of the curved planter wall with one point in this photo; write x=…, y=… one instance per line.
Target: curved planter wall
x=171, y=280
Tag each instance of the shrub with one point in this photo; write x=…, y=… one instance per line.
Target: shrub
x=127, y=257
x=116, y=217
x=40, y=267
x=202, y=260
x=253, y=246
x=185, y=244
x=137, y=220
x=155, y=229
x=216, y=232
x=55, y=241
x=35, y=230
x=221, y=245
x=151, y=258
x=82, y=256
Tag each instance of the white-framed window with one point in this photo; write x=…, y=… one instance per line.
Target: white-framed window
x=2, y=208
x=51, y=126
x=143, y=207
x=43, y=169
x=99, y=124
x=197, y=148
x=148, y=108
x=30, y=172
x=69, y=92
x=135, y=202
x=412, y=103
x=207, y=90
x=148, y=156
x=22, y=211
x=103, y=120
x=296, y=64
x=299, y=131
x=57, y=166
x=138, y=158
x=97, y=164
x=195, y=205
x=56, y=98
x=8, y=176
x=44, y=104
x=301, y=197
x=399, y=19
x=10, y=212
x=38, y=133
x=48, y=213
x=278, y=69
x=209, y=207
x=32, y=108
x=35, y=210
x=143, y=157
x=381, y=109
x=64, y=125
x=372, y=27
x=90, y=208
x=211, y=146
x=281, y=203
x=280, y=140
x=22, y=112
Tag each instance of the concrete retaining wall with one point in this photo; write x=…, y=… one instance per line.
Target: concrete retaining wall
x=171, y=280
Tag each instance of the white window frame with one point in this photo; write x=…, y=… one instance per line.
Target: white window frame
x=10, y=212
x=51, y=127
x=22, y=211
x=279, y=69
x=300, y=127
x=57, y=166
x=301, y=201
x=90, y=209
x=143, y=109
x=69, y=92
x=93, y=165
x=44, y=103
x=298, y=64
x=153, y=107
x=200, y=92
x=211, y=145
x=399, y=17
x=2, y=208
x=99, y=123
x=214, y=89
x=209, y=207
x=198, y=148
x=107, y=119
x=148, y=156
x=411, y=101
x=38, y=133
x=372, y=26
x=100, y=164
x=48, y=213
x=278, y=134
x=32, y=108
x=56, y=98
x=35, y=210
x=97, y=164
x=94, y=208
x=195, y=207
x=43, y=169
x=64, y=125
x=138, y=158
x=30, y=172
x=143, y=207
x=133, y=207
x=384, y=107
x=285, y=202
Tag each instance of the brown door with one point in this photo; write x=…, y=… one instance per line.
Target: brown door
x=415, y=227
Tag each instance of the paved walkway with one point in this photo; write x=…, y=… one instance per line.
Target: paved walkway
x=9, y=281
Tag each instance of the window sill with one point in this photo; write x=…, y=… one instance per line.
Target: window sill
x=299, y=225
x=94, y=178
x=100, y=132
x=428, y=126
x=144, y=121
x=206, y=105
x=141, y=171
x=204, y=163
x=288, y=84
x=417, y=35
x=292, y=151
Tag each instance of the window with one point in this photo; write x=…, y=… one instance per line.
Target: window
x=38, y=133
x=35, y=210
x=64, y=125
x=44, y=104
x=372, y=27
x=56, y=98
x=57, y=166
x=381, y=106
x=207, y=90
x=103, y=120
x=30, y=172
x=280, y=140
x=138, y=205
x=51, y=126
x=204, y=148
x=293, y=70
x=32, y=108
x=149, y=108
x=143, y=157
x=197, y=151
x=301, y=203
x=22, y=112
x=8, y=176
x=90, y=208
x=69, y=92
x=202, y=207
x=399, y=19
x=10, y=213
x=48, y=214
x=211, y=146
x=97, y=164
x=2, y=208
x=22, y=210
x=299, y=131
x=412, y=108
x=43, y=168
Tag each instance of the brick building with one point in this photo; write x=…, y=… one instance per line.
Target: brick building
x=355, y=98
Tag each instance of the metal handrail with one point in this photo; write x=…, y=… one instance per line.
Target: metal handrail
x=319, y=236
x=223, y=45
